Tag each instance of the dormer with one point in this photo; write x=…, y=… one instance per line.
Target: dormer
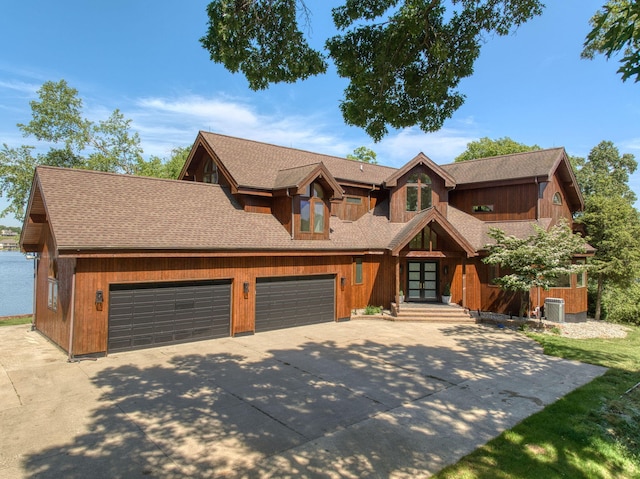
x=417, y=186
x=303, y=202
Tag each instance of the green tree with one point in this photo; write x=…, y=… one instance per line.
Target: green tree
x=57, y=118
x=404, y=59
x=165, y=168
x=364, y=155
x=615, y=29
x=611, y=222
x=486, y=147
x=613, y=229
x=536, y=261
x=606, y=172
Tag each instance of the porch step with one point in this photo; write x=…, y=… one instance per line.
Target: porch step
x=431, y=312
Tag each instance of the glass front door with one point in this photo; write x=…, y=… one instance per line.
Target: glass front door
x=422, y=283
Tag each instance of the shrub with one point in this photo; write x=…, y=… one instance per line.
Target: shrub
x=372, y=309
x=623, y=305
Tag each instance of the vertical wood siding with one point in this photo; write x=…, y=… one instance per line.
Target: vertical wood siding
x=90, y=332
x=513, y=202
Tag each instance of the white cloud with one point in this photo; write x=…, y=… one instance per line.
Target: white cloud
x=441, y=146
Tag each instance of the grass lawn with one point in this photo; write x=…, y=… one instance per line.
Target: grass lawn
x=593, y=432
x=11, y=321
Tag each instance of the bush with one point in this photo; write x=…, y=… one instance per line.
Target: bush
x=622, y=305
x=372, y=309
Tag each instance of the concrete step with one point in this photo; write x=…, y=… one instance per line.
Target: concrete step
x=431, y=312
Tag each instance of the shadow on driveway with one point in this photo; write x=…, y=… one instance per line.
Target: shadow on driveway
x=400, y=402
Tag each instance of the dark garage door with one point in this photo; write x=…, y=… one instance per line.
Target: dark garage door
x=144, y=315
x=296, y=301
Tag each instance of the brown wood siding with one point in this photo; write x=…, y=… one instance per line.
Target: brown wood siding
x=54, y=324
x=90, y=331
x=398, y=197
x=256, y=204
x=495, y=299
x=282, y=211
x=512, y=202
x=347, y=211
x=550, y=210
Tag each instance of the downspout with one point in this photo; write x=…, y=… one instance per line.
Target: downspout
x=70, y=359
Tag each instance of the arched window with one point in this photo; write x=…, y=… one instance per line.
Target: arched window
x=210, y=174
x=418, y=192
x=557, y=199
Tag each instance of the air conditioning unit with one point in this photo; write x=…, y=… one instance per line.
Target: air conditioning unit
x=554, y=309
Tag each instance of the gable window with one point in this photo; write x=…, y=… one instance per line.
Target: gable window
x=210, y=174
x=557, y=199
x=312, y=209
x=482, y=208
x=418, y=192
x=427, y=239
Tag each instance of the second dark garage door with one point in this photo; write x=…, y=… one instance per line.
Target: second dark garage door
x=294, y=301
x=144, y=315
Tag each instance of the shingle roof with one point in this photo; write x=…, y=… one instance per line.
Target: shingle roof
x=256, y=165
x=94, y=210
x=529, y=164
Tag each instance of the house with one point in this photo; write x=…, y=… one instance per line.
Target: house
x=256, y=237
x=9, y=245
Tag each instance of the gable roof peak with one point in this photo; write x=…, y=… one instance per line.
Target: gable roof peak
x=420, y=159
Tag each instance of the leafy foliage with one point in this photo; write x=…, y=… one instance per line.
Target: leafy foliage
x=364, y=155
x=403, y=59
x=611, y=222
x=486, y=147
x=108, y=145
x=536, y=261
x=623, y=304
x=616, y=28
x=606, y=172
x=262, y=39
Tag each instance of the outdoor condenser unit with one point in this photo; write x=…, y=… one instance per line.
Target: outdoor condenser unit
x=554, y=309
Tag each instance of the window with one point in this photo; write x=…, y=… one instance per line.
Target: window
x=482, y=208
x=427, y=239
x=358, y=270
x=305, y=215
x=52, y=293
x=312, y=209
x=354, y=200
x=557, y=199
x=581, y=277
x=210, y=174
x=418, y=192
x=318, y=217
x=562, y=281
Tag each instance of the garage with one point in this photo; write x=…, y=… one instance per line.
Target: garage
x=294, y=301
x=145, y=315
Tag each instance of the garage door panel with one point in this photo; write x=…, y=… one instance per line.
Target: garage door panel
x=143, y=315
x=288, y=302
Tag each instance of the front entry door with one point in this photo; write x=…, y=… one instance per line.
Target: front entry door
x=423, y=280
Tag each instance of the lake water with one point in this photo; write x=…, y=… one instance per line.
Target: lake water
x=16, y=284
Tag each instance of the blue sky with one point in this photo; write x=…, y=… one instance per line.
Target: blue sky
x=144, y=58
